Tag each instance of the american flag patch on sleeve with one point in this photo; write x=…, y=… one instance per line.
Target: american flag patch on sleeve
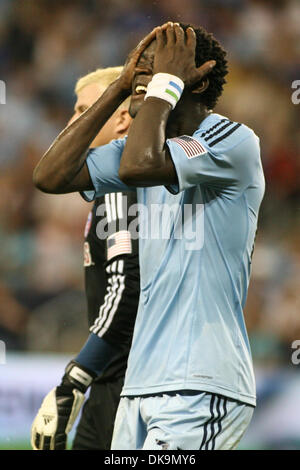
x=119, y=243
x=192, y=148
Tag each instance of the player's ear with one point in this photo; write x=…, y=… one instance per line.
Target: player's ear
x=200, y=87
x=123, y=122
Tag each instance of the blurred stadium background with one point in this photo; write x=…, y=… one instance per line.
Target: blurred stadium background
x=45, y=45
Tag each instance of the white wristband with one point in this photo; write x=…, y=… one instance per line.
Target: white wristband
x=165, y=86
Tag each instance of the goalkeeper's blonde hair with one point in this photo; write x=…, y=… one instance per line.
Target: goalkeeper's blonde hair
x=104, y=77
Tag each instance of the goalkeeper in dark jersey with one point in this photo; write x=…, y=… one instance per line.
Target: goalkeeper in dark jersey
x=112, y=291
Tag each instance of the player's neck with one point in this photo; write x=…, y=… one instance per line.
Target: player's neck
x=184, y=120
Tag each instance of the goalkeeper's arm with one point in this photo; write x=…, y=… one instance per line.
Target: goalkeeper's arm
x=61, y=406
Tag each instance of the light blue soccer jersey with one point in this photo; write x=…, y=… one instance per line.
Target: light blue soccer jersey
x=195, y=244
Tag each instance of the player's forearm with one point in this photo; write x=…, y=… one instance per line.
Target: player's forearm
x=67, y=154
x=144, y=155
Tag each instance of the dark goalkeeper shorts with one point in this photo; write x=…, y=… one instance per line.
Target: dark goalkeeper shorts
x=95, y=428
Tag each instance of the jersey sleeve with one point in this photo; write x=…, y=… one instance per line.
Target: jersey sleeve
x=116, y=314
x=228, y=165
x=103, y=164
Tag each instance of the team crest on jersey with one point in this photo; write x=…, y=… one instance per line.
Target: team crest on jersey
x=191, y=147
x=88, y=224
x=87, y=258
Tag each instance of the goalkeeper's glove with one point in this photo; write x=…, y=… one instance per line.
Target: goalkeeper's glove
x=60, y=408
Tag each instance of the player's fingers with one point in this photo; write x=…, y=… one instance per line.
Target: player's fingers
x=145, y=41
x=160, y=41
x=164, y=26
x=179, y=33
x=170, y=33
x=137, y=52
x=191, y=38
x=205, y=69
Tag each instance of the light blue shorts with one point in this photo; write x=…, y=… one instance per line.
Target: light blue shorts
x=183, y=420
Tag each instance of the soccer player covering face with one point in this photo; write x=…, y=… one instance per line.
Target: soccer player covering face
x=112, y=292
x=189, y=383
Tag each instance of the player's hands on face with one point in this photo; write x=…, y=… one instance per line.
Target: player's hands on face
x=130, y=68
x=175, y=54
